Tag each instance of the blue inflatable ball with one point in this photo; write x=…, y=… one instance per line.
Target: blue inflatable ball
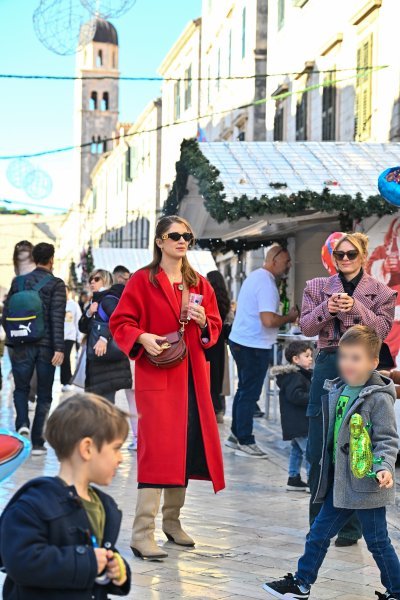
x=14, y=450
x=389, y=185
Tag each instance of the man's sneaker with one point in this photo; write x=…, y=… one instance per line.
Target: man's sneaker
x=386, y=596
x=39, y=451
x=288, y=587
x=67, y=388
x=24, y=432
x=232, y=442
x=295, y=484
x=250, y=450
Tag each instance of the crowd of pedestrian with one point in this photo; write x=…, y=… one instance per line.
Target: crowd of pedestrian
x=162, y=334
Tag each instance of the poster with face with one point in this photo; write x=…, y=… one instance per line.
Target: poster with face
x=384, y=265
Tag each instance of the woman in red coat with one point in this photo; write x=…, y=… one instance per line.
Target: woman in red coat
x=178, y=436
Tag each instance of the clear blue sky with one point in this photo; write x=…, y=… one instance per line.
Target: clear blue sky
x=37, y=115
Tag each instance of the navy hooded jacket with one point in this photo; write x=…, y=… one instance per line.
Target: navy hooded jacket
x=45, y=544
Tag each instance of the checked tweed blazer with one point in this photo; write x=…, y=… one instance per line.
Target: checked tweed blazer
x=374, y=304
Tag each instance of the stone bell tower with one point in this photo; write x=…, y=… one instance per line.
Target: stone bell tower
x=96, y=101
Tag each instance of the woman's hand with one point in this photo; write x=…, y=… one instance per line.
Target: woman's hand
x=100, y=347
x=333, y=305
x=150, y=341
x=385, y=479
x=345, y=302
x=93, y=308
x=197, y=313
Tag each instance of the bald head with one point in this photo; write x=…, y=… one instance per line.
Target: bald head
x=277, y=260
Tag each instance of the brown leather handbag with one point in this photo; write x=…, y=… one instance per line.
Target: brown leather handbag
x=174, y=346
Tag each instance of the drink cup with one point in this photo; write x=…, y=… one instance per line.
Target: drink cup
x=194, y=299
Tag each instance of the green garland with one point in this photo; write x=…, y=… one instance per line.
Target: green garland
x=192, y=162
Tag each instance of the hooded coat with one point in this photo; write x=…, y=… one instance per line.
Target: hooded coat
x=45, y=548
x=294, y=390
x=162, y=394
x=376, y=406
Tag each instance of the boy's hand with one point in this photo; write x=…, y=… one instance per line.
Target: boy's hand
x=385, y=479
x=116, y=570
x=102, y=559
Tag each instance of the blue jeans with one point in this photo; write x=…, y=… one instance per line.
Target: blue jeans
x=25, y=359
x=252, y=365
x=374, y=528
x=297, y=453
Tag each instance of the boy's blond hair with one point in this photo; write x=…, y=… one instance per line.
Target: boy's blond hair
x=361, y=335
x=84, y=415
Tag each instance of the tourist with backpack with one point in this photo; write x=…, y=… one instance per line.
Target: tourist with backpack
x=33, y=318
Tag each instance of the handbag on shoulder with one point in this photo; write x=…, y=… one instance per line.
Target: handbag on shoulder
x=174, y=346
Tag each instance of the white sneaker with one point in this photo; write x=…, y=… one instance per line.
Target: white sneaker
x=232, y=442
x=67, y=388
x=24, y=432
x=250, y=450
x=39, y=451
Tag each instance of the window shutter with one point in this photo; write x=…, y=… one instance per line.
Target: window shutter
x=363, y=108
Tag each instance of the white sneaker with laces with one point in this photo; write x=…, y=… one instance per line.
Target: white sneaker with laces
x=251, y=451
x=24, y=432
x=232, y=442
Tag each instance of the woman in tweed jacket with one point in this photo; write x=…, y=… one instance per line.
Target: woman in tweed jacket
x=331, y=305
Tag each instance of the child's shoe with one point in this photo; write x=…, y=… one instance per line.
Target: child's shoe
x=288, y=588
x=295, y=484
x=386, y=596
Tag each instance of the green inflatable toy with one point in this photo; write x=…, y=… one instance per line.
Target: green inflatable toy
x=361, y=456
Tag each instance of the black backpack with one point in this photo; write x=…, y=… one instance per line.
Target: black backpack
x=24, y=320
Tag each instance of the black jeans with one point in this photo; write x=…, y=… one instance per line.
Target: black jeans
x=66, y=373
x=25, y=359
x=252, y=365
x=325, y=368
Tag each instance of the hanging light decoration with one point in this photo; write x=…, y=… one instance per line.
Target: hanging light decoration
x=108, y=9
x=17, y=170
x=63, y=26
x=38, y=184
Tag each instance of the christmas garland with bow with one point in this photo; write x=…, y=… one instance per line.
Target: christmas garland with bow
x=349, y=209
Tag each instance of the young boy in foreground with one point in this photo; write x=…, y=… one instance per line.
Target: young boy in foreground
x=360, y=390
x=58, y=534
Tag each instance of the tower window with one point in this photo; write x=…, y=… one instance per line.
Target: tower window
x=93, y=146
x=105, y=103
x=93, y=101
x=114, y=60
x=188, y=87
x=177, y=100
x=99, y=59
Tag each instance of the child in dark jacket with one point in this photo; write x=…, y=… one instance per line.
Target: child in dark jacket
x=294, y=381
x=58, y=534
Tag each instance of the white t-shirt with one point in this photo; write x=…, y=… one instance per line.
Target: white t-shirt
x=71, y=323
x=259, y=293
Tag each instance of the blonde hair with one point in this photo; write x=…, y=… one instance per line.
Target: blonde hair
x=189, y=275
x=360, y=241
x=105, y=275
x=361, y=335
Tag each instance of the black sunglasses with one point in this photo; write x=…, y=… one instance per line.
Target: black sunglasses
x=351, y=254
x=175, y=236
x=96, y=279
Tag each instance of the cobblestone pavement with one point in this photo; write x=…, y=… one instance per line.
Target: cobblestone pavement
x=252, y=531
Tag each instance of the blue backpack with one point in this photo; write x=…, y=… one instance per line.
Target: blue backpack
x=24, y=321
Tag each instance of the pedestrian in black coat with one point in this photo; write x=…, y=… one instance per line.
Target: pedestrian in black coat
x=105, y=376
x=294, y=382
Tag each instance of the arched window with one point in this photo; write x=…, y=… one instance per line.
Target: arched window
x=105, y=103
x=93, y=101
x=99, y=59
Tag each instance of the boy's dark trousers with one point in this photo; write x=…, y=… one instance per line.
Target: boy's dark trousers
x=65, y=370
x=328, y=523
x=325, y=368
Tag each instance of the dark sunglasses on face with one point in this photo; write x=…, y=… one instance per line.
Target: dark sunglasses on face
x=96, y=279
x=351, y=254
x=175, y=236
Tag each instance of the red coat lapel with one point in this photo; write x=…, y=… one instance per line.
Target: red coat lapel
x=169, y=292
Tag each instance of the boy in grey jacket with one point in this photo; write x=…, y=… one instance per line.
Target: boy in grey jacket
x=360, y=390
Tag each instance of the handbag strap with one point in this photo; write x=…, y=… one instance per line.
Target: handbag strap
x=183, y=319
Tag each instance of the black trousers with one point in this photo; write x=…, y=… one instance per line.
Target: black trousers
x=66, y=373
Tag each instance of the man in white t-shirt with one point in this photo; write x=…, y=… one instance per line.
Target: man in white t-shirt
x=254, y=332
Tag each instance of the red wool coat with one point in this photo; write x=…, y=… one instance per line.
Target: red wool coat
x=162, y=394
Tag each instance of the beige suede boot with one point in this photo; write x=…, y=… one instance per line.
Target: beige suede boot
x=174, y=499
x=143, y=543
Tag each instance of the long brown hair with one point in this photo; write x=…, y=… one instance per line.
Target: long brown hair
x=189, y=275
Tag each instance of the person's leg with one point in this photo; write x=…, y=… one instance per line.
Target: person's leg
x=252, y=364
x=376, y=535
x=302, y=443
x=110, y=396
x=66, y=373
x=133, y=418
x=325, y=527
x=295, y=458
x=45, y=377
x=23, y=365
